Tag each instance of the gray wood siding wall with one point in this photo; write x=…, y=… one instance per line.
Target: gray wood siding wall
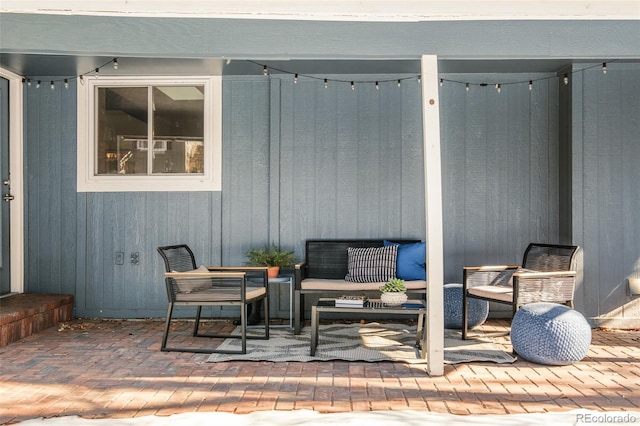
x=301, y=161
x=500, y=168
x=606, y=197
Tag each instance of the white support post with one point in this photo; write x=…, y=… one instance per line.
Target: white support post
x=433, y=341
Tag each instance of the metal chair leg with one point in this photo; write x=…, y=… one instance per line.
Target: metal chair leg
x=197, y=324
x=165, y=335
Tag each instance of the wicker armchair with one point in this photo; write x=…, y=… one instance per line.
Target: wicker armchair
x=211, y=286
x=547, y=274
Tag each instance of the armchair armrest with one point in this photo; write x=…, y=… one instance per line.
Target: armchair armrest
x=474, y=276
x=253, y=273
x=490, y=268
x=205, y=286
x=537, y=274
x=299, y=273
x=553, y=286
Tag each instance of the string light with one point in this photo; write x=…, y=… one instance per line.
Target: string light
x=80, y=77
x=265, y=68
x=295, y=79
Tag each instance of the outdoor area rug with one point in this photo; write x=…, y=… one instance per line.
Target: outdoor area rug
x=369, y=342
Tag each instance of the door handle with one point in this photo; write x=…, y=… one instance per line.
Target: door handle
x=8, y=197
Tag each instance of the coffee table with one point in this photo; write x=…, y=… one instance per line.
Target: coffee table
x=372, y=306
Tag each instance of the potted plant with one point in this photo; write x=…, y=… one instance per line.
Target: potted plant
x=394, y=292
x=272, y=257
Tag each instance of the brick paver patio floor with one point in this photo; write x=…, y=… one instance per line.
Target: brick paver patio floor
x=113, y=369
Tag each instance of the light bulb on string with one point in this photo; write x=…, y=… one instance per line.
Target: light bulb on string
x=604, y=68
x=29, y=82
x=115, y=63
x=265, y=70
x=326, y=83
x=295, y=79
x=66, y=83
x=399, y=83
x=441, y=81
x=81, y=77
x=38, y=84
x=498, y=87
x=353, y=86
x=466, y=87
x=97, y=72
x=53, y=86
x=530, y=85
x=377, y=86
x=566, y=79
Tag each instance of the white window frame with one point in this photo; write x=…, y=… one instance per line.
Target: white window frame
x=89, y=181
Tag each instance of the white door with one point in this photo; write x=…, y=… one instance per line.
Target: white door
x=5, y=248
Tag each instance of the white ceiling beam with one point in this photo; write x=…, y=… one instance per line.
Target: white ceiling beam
x=340, y=10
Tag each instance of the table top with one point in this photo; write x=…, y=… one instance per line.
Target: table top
x=411, y=305
x=280, y=280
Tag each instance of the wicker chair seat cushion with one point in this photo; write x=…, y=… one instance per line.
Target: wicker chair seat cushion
x=498, y=292
x=550, y=333
x=342, y=285
x=219, y=295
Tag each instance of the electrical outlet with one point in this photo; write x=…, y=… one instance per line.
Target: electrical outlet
x=119, y=258
x=135, y=258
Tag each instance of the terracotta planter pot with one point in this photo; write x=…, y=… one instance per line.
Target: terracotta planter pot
x=273, y=271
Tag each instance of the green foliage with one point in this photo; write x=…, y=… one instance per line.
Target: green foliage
x=394, y=285
x=270, y=256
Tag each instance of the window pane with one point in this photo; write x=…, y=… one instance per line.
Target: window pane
x=122, y=130
x=178, y=128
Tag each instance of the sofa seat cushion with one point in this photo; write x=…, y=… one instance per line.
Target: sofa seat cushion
x=342, y=285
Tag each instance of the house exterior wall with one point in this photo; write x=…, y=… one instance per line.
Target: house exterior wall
x=299, y=161
x=605, y=114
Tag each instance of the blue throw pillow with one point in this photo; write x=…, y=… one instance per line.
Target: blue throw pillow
x=410, y=265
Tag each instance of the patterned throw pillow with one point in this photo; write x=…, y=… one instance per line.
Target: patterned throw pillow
x=371, y=264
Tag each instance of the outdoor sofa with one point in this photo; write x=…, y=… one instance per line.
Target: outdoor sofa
x=340, y=267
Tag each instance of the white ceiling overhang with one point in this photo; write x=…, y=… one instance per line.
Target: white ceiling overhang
x=340, y=10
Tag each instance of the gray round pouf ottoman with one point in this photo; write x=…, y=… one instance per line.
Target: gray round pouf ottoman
x=478, y=309
x=549, y=333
